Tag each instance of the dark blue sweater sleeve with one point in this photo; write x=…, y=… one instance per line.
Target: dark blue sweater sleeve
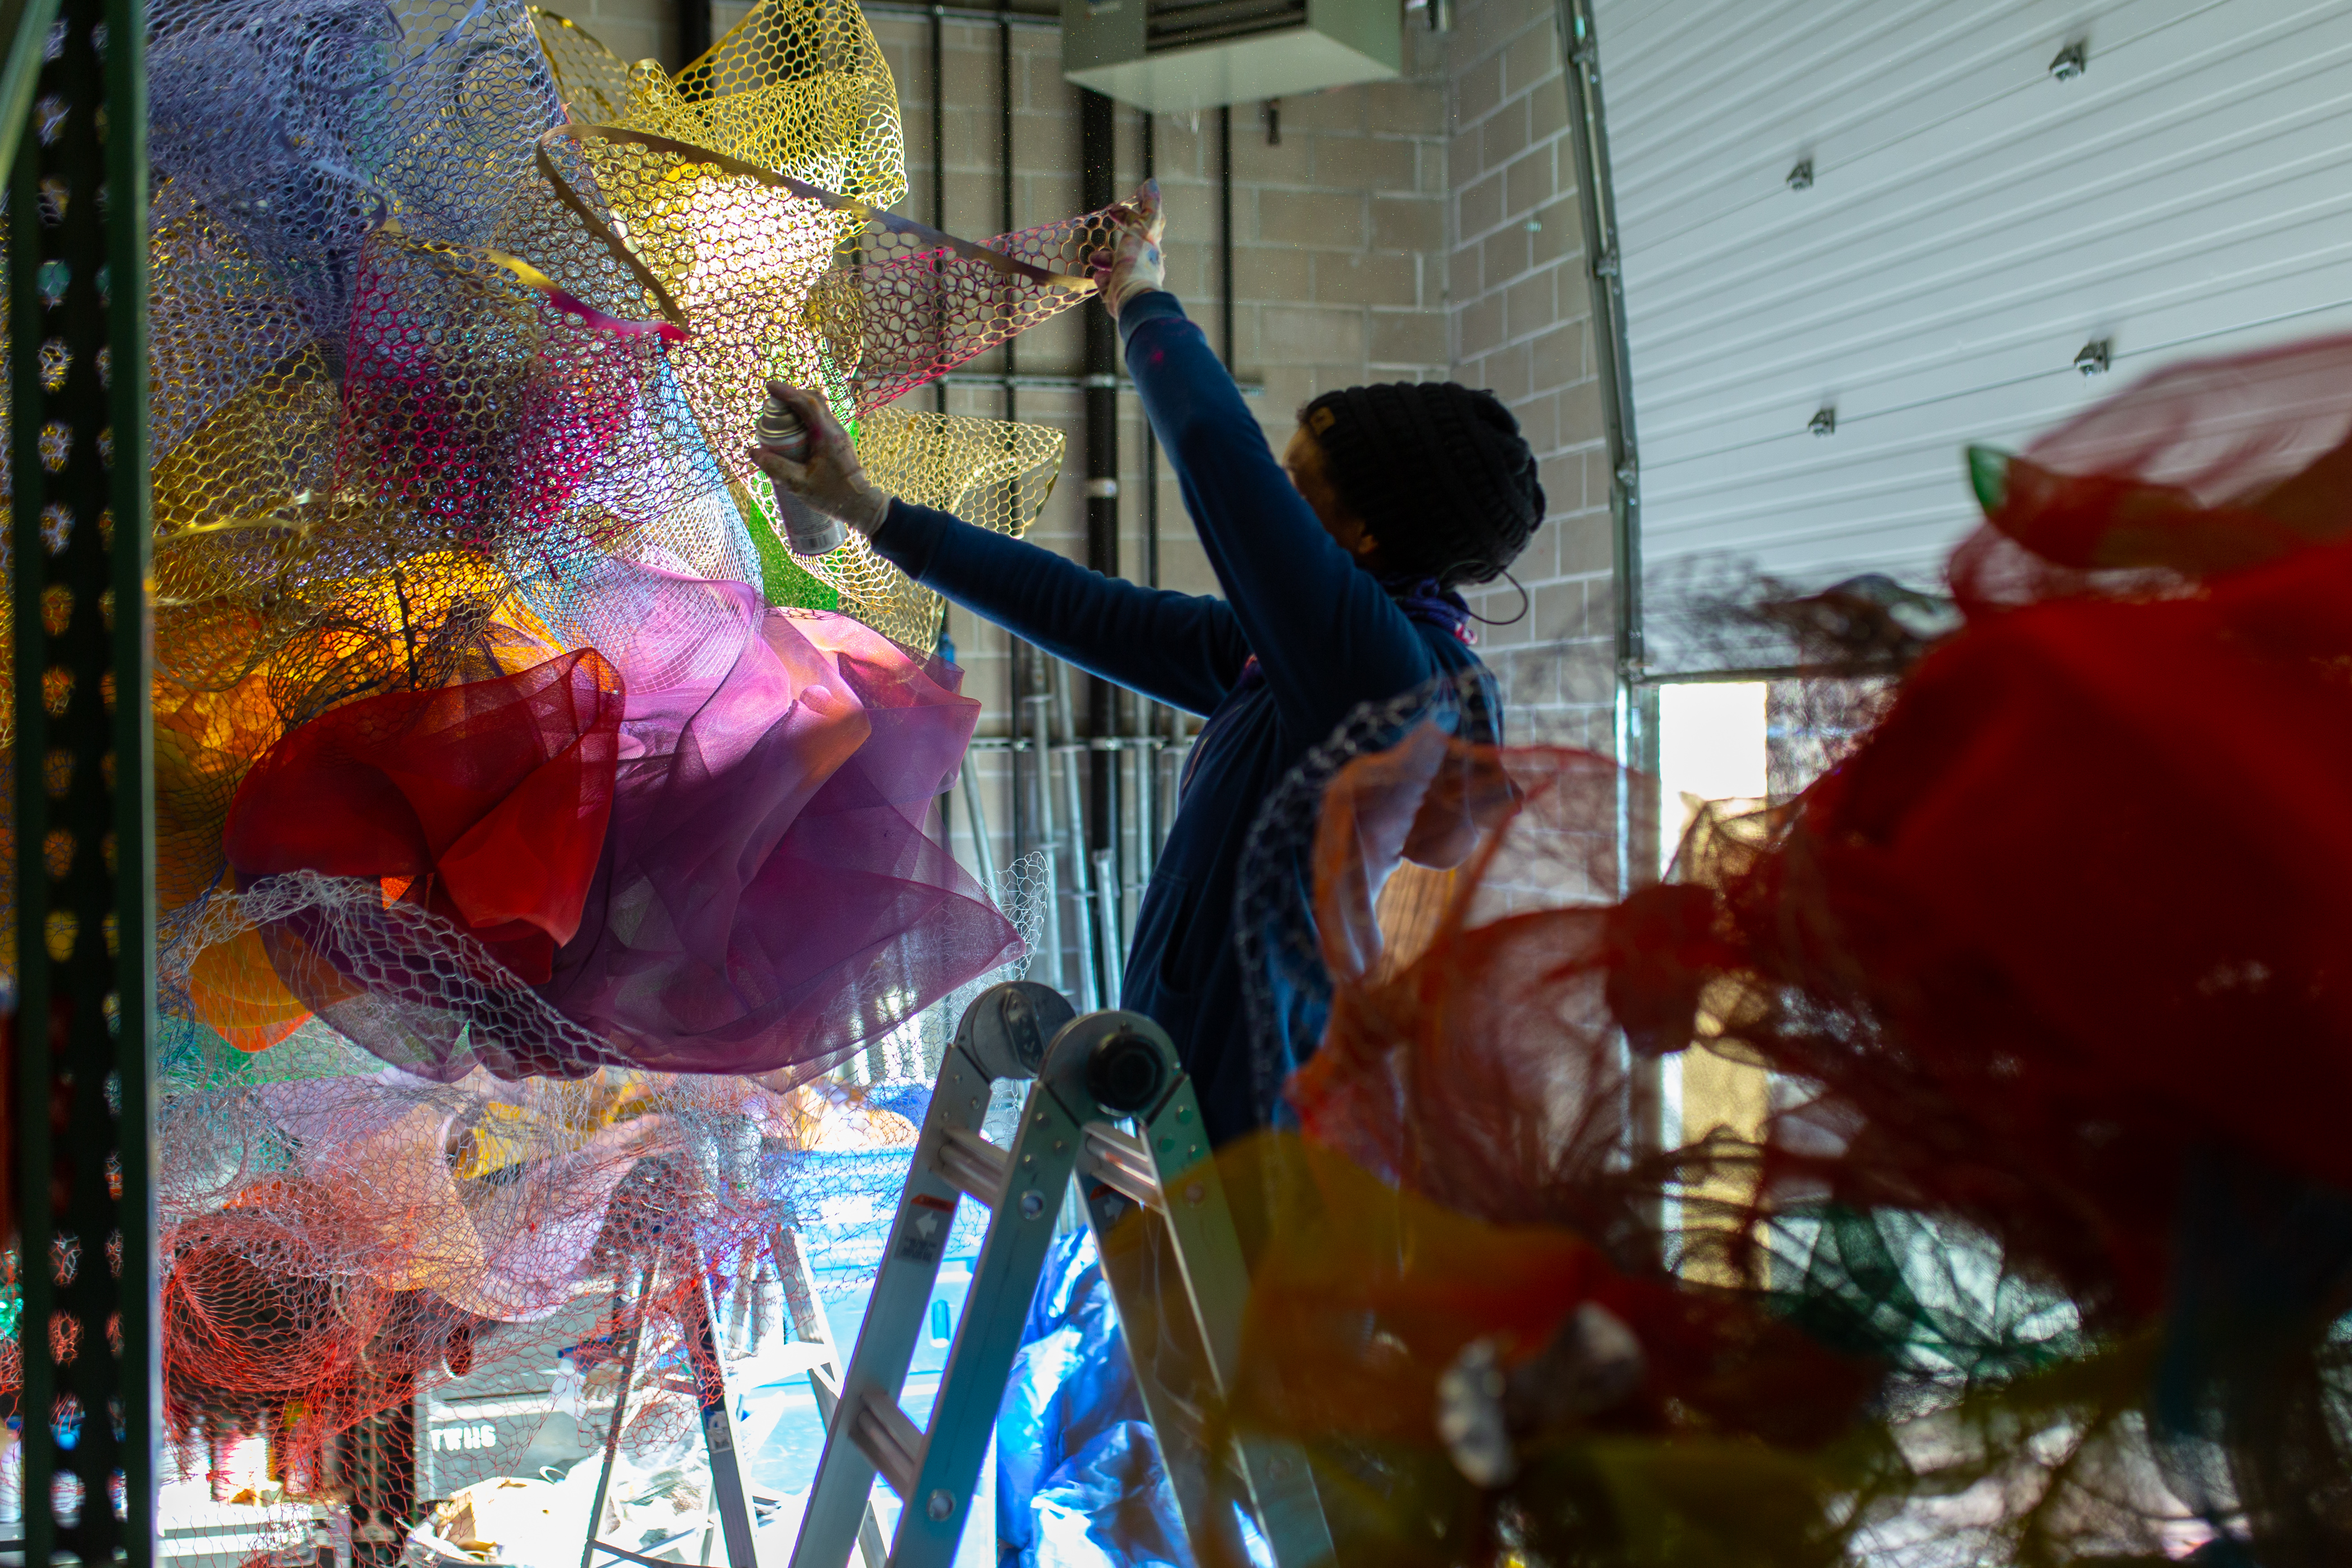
x=1181, y=649
x=1327, y=633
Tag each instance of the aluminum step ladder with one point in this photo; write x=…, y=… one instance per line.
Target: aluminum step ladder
x=705, y=1383
x=811, y=1326
x=1177, y=1277
x=731, y=1504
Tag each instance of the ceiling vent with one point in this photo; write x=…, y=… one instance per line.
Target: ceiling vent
x=1170, y=56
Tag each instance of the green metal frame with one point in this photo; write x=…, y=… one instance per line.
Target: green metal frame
x=84, y=839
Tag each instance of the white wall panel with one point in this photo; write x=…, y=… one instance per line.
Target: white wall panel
x=1973, y=223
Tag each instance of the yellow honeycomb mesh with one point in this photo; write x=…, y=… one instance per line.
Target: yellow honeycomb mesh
x=768, y=275
x=989, y=472
x=592, y=80
x=799, y=88
x=765, y=276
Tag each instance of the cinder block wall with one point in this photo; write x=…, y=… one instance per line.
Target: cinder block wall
x=1521, y=322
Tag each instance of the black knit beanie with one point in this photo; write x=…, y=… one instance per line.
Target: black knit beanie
x=1439, y=473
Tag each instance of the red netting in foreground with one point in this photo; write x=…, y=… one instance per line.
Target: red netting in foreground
x=2036, y=1248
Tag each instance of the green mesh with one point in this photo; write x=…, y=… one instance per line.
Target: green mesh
x=784, y=580
x=1929, y=1296
x=190, y=1058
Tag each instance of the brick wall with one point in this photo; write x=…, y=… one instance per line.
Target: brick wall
x=1520, y=319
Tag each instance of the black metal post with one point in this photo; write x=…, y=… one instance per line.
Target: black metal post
x=1004, y=164
x=938, y=307
x=1225, y=229
x=84, y=830
x=693, y=31
x=939, y=176
x=1098, y=188
x=382, y=1449
x=1022, y=675
x=1150, y=441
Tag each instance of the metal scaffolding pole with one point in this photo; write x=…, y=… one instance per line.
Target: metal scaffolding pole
x=1039, y=704
x=1070, y=754
x=1107, y=921
x=983, y=853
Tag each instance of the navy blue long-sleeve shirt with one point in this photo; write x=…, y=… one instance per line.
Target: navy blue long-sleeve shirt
x=1327, y=634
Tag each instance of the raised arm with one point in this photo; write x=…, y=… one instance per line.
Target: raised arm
x=1181, y=649
x=1327, y=633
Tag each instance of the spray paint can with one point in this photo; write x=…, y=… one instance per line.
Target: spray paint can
x=779, y=431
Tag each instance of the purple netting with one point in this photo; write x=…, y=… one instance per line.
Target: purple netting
x=771, y=894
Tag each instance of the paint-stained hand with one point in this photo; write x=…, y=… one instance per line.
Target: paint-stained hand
x=1135, y=265
x=828, y=476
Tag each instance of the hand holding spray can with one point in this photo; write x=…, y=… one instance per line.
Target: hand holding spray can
x=781, y=431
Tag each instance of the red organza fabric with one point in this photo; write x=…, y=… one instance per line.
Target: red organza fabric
x=2050, y=972
x=1468, y=1232
x=486, y=803
x=732, y=867
x=1480, y=1074
x=2092, y=844
x=2199, y=470
x=2087, y=886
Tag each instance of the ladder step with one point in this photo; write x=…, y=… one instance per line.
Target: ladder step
x=1125, y=1167
x=626, y=1556
x=1087, y=1077
x=972, y=1163
x=882, y=1430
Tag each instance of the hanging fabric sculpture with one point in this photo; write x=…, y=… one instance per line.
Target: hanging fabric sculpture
x=2041, y=1251
x=495, y=724
x=496, y=731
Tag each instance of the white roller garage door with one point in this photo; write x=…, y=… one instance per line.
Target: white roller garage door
x=1975, y=220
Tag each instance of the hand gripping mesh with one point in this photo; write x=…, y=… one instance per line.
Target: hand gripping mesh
x=992, y=473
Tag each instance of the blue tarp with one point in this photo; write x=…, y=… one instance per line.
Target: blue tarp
x=1078, y=1478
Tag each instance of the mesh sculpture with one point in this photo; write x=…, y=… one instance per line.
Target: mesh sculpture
x=452, y=393
x=518, y=796
x=338, y=1242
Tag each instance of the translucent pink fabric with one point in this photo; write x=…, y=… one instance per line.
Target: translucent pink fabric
x=771, y=893
x=761, y=891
